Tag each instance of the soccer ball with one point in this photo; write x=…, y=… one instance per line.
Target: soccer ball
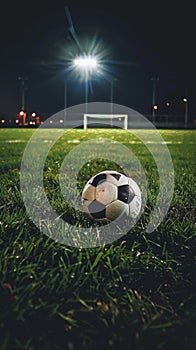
x=109, y=195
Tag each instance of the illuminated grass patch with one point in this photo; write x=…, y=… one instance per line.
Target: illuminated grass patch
x=135, y=293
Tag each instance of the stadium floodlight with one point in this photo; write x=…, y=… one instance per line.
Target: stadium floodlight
x=87, y=63
x=185, y=99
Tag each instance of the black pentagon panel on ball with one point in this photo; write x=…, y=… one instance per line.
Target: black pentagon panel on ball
x=98, y=179
x=97, y=210
x=125, y=194
x=116, y=176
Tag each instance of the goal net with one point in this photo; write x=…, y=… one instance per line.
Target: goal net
x=118, y=120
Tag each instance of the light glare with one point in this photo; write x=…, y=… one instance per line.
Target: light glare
x=85, y=62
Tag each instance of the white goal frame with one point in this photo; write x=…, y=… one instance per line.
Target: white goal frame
x=105, y=116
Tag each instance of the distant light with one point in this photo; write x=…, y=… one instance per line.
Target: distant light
x=168, y=104
x=17, y=121
x=86, y=62
x=3, y=121
x=33, y=114
x=155, y=107
x=185, y=100
x=51, y=121
x=61, y=121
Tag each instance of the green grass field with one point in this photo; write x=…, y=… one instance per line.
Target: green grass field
x=136, y=293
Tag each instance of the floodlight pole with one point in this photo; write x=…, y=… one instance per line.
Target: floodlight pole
x=154, y=80
x=22, y=79
x=111, y=96
x=86, y=92
x=185, y=101
x=65, y=99
x=186, y=115
x=112, y=86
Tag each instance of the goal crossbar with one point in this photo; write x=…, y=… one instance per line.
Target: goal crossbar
x=105, y=116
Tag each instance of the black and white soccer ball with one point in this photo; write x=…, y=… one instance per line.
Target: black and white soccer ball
x=109, y=194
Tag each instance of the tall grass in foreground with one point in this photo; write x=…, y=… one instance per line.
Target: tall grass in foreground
x=136, y=293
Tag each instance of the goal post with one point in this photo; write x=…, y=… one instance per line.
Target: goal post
x=120, y=117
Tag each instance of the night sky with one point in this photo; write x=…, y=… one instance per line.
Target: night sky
x=135, y=41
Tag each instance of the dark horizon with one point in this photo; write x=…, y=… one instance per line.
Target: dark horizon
x=135, y=43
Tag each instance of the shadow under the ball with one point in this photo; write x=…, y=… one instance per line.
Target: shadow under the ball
x=77, y=218
x=93, y=233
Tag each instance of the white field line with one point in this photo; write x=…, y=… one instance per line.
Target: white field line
x=103, y=140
